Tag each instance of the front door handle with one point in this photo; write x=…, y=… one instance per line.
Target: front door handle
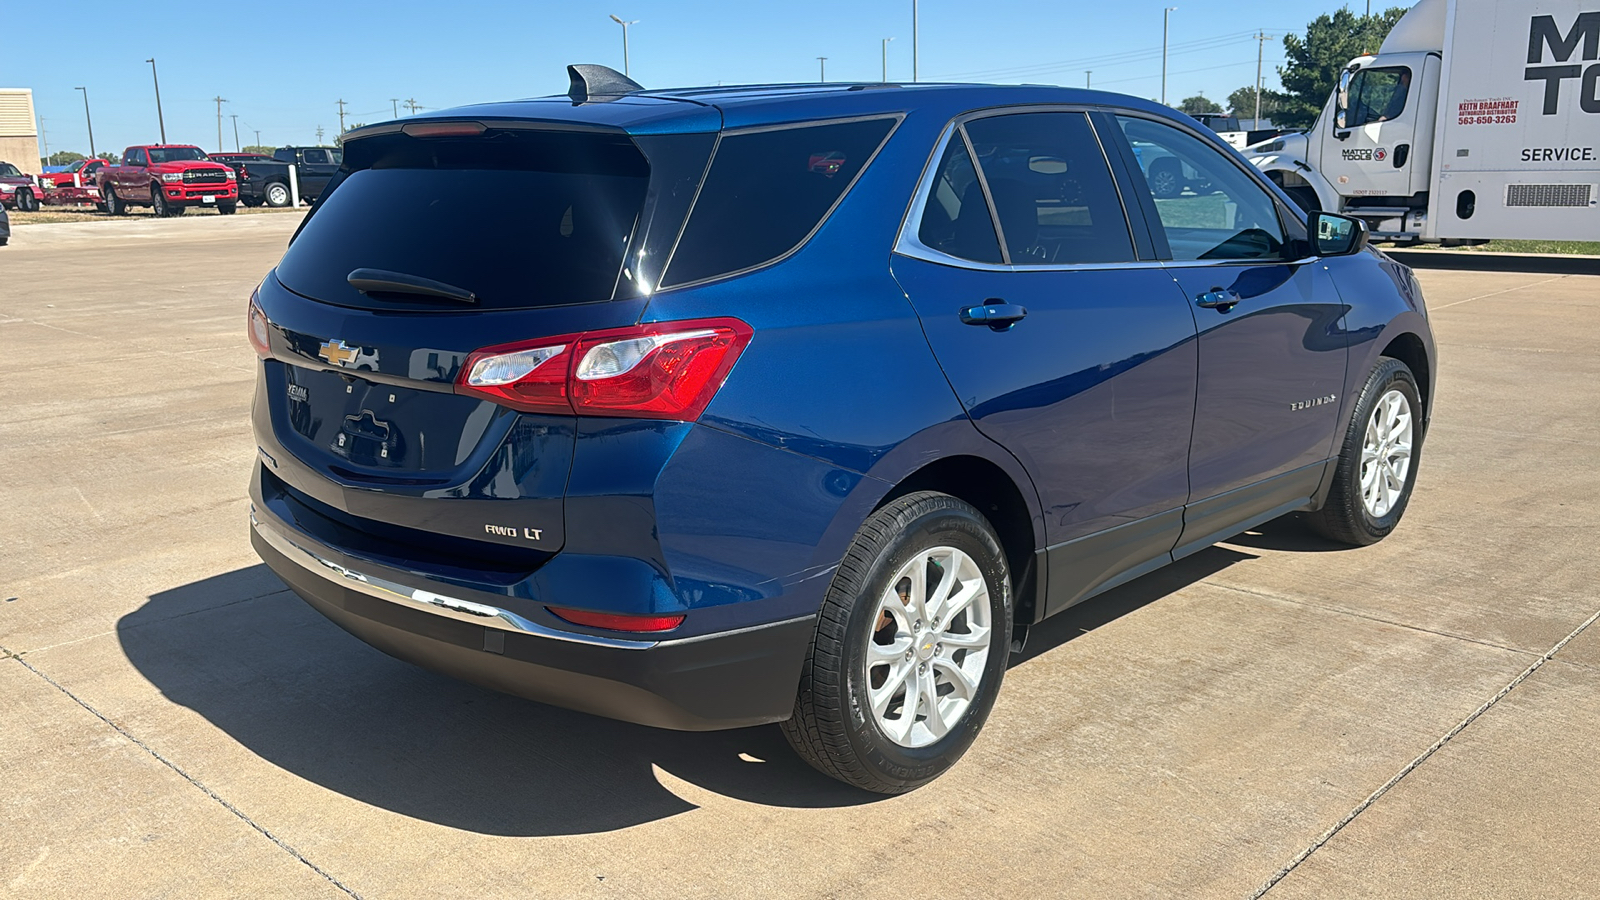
x=1342, y=135
x=1218, y=299
x=997, y=314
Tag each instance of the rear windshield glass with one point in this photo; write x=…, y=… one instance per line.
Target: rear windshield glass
x=519, y=219
x=766, y=192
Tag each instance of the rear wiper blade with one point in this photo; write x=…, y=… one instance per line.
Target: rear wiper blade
x=383, y=281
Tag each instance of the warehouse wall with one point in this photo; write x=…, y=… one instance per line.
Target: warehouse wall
x=19, y=134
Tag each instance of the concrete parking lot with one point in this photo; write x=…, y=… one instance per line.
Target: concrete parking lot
x=1413, y=719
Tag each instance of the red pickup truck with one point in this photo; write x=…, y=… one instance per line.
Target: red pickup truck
x=168, y=178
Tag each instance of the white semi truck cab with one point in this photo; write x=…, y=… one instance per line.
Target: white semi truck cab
x=1476, y=119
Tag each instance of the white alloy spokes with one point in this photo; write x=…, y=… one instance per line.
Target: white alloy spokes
x=929, y=645
x=1386, y=454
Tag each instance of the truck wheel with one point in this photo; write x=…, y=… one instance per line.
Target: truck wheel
x=276, y=194
x=1378, y=460
x=158, y=203
x=113, y=203
x=1305, y=198
x=1166, y=178
x=910, y=648
x=227, y=209
x=26, y=201
x=251, y=202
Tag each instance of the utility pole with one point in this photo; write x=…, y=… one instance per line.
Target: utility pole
x=1261, y=48
x=413, y=105
x=624, y=25
x=1086, y=74
x=88, y=121
x=341, y=117
x=319, y=135
x=395, y=103
x=822, y=63
x=915, y=35
x=886, y=59
x=1167, y=13
x=235, y=132
x=219, y=102
x=160, y=119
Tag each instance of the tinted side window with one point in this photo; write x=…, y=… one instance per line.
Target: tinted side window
x=1208, y=207
x=1052, y=189
x=766, y=192
x=955, y=218
x=1375, y=95
x=136, y=158
x=316, y=157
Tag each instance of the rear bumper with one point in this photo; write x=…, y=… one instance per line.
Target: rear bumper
x=723, y=680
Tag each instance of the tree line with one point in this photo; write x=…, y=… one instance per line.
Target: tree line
x=1314, y=61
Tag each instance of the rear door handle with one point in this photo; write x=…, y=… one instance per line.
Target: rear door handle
x=996, y=314
x=1217, y=298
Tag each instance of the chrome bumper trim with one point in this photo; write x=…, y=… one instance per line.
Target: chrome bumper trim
x=428, y=601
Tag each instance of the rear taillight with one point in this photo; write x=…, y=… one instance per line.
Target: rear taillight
x=618, y=622
x=664, y=370
x=257, y=326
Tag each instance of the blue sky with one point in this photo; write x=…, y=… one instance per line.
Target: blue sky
x=282, y=74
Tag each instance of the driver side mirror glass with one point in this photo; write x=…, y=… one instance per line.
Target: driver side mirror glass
x=1336, y=235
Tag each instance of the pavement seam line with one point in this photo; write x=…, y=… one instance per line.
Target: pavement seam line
x=1336, y=610
x=187, y=777
x=1434, y=309
x=1410, y=767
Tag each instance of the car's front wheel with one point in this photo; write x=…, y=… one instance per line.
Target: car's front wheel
x=910, y=648
x=1377, y=461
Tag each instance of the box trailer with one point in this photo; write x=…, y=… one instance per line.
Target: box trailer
x=1476, y=119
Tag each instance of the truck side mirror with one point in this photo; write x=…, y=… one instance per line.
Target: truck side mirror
x=1342, y=98
x=1336, y=235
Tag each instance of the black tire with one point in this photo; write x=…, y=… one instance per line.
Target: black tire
x=251, y=202
x=158, y=203
x=114, y=204
x=1305, y=198
x=276, y=194
x=1165, y=178
x=832, y=727
x=26, y=201
x=1345, y=517
x=227, y=209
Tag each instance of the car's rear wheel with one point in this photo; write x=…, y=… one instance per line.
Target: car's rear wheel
x=26, y=201
x=1166, y=178
x=276, y=194
x=1378, y=460
x=910, y=648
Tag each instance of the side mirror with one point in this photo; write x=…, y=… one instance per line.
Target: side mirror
x=1336, y=235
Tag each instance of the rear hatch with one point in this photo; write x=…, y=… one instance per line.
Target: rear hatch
x=366, y=442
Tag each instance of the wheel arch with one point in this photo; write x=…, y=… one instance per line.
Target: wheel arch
x=1287, y=174
x=1409, y=348
x=995, y=493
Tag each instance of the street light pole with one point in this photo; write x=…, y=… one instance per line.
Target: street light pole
x=915, y=36
x=160, y=119
x=624, y=41
x=235, y=117
x=1086, y=74
x=394, y=103
x=886, y=59
x=88, y=121
x=822, y=63
x=1166, y=14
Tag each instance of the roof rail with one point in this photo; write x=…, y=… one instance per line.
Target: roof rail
x=598, y=82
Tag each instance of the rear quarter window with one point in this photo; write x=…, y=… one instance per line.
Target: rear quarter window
x=767, y=191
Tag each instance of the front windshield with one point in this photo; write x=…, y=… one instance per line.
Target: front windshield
x=176, y=154
x=7, y=170
x=77, y=165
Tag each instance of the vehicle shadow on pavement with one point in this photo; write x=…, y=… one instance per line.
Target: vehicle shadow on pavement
x=292, y=688
x=1291, y=533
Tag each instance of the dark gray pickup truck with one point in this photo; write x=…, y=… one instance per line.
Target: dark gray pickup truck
x=266, y=182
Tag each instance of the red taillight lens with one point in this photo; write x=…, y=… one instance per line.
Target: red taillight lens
x=664, y=370
x=616, y=621
x=257, y=327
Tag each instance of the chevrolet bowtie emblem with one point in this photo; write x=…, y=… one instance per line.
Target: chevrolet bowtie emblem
x=337, y=353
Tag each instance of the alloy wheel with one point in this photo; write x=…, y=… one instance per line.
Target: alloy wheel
x=929, y=647
x=1386, y=453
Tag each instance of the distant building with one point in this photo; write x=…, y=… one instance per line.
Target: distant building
x=19, y=133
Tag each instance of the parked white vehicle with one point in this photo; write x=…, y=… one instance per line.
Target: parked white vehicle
x=1477, y=119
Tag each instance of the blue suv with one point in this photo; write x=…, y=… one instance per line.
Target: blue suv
x=801, y=403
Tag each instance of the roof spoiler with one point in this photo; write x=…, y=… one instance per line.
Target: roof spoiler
x=598, y=82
